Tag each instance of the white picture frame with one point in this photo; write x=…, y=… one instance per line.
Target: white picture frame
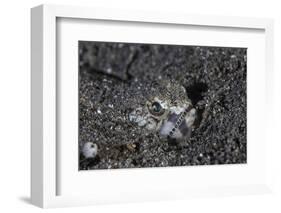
x=44, y=153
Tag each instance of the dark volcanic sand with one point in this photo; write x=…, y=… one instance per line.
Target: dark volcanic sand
x=115, y=78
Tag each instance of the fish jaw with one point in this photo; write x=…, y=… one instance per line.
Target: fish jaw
x=178, y=126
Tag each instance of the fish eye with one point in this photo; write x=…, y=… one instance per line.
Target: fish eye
x=156, y=108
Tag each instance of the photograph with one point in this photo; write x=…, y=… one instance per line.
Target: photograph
x=160, y=105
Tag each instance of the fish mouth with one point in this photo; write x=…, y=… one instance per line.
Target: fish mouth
x=178, y=126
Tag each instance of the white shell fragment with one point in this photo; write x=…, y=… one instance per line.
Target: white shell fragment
x=90, y=150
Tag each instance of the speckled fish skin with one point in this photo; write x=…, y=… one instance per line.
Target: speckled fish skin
x=170, y=113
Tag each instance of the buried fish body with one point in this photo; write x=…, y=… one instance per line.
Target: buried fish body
x=168, y=112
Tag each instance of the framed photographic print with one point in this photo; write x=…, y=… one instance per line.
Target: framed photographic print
x=130, y=106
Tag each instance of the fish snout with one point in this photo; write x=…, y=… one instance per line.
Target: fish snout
x=136, y=116
x=142, y=119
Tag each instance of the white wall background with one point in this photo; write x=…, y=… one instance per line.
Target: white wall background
x=15, y=105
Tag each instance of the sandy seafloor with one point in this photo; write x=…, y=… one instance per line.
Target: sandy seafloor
x=114, y=79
